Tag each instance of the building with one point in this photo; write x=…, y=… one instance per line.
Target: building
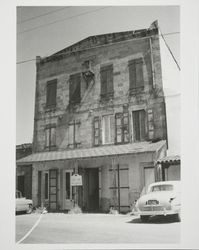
x=24, y=172
x=99, y=112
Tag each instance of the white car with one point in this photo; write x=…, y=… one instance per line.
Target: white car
x=162, y=198
x=23, y=204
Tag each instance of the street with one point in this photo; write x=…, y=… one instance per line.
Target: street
x=94, y=228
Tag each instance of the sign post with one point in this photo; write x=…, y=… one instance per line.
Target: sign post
x=76, y=180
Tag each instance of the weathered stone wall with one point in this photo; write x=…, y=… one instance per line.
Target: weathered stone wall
x=117, y=54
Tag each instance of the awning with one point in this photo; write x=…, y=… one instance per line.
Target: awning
x=173, y=159
x=113, y=150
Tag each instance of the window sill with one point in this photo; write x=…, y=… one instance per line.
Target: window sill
x=50, y=108
x=136, y=91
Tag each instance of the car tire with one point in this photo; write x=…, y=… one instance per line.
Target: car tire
x=29, y=211
x=144, y=218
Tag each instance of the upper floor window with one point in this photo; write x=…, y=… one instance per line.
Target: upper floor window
x=122, y=127
x=50, y=137
x=136, y=80
x=51, y=93
x=75, y=89
x=96, y=131
x=139, y=130
x=74, y=134
x=106, y=77
x=107, y=129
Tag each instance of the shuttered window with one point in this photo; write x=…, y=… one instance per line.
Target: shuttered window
x=107, y=129
x=96, y=131
x=122, y=127
x=50, y=137
x=75, y=89
x=136, y=80
x=139, y=125
x=51, y=93
x=74, y=134
x=106, y=76
x=150, y=124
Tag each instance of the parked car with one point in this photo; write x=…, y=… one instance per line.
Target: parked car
x=23, y=204
x=162, y=198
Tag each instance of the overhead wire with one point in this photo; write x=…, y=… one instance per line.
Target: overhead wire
x=65, y=53
x=44, y=14
x=62, y=20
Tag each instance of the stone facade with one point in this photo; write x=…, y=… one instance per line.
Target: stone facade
x=116, y=50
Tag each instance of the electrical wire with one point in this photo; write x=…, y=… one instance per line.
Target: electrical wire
x=66, y=53
x=45, y=14
x=62, y=20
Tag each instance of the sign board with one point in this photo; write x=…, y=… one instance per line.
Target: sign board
x=76, y=180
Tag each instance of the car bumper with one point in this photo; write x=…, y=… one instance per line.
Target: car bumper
x=164, y=212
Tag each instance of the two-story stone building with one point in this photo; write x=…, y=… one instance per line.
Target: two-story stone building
x=99, y=112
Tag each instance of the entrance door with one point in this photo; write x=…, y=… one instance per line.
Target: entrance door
x=53, y=189
x=67, y=190
x=149, y=177
x=20, y=184
x=92, y=178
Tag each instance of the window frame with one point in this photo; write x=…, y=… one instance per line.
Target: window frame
x=96, y=119
x=110, y=139
x=121, y=126
x=134, y=132
x=106, y=83
x=75, y=79
x=49, y=86
x=74, y=124
x=51, y=143
x=134, y=66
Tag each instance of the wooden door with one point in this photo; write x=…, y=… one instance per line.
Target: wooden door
x=53, y=189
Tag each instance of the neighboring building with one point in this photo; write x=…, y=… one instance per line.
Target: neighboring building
x=24, y=172
x=168, y=168
x=99, y=112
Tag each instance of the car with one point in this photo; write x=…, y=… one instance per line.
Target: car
x=23, y=204
x=162, y=198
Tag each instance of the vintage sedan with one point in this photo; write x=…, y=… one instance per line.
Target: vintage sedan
x=162, y=198
x=23, y=204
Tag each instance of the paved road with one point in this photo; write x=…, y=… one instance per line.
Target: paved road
x=95, y=228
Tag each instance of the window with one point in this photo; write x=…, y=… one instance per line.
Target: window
x=74, y=134
x=46, y=186
x=75, y=89
x=50, y=134
x=122, y=127
x=136, y=80
x=96, y=130
x=106, y=76
x=139, y=125
x=107, y=129
x=51, y=93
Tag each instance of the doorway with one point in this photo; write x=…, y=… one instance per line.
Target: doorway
x=20, y=184
x=67, y=190
x=91, y=189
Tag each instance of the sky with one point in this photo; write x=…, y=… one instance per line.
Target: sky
x=42, y=31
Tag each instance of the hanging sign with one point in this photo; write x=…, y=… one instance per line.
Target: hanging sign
x=76, y=180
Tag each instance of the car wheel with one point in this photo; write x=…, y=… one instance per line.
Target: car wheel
x=144, y=218
x=29, y=211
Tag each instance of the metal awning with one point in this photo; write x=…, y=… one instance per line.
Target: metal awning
x=173, y=159
x=113, y=150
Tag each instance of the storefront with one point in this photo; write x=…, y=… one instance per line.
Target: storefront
x=111, y=176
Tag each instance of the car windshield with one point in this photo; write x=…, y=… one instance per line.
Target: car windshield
x=161, y=188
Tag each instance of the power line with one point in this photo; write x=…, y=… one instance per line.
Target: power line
x=65, y=53
x=169, y=49
x=45, y=14
x=62, y=20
